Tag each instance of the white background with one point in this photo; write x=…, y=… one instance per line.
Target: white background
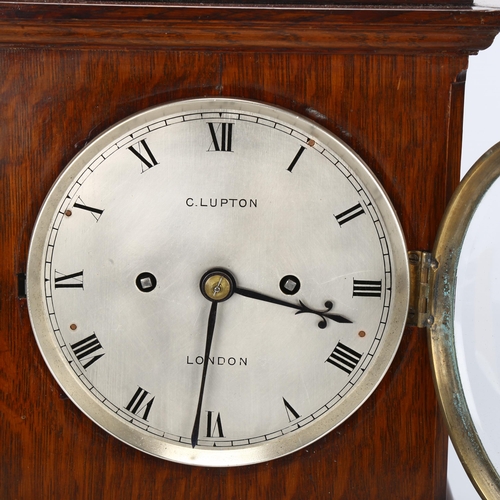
x=481, y=131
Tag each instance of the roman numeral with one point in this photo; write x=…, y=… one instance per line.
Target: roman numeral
x=222, y=136
x=349, y=214
x=74, y=280
x=141, y=402
x=214, y=427
x=96, y=212
x=366, y=288
x=344, y=357
x=290, y=411
x=296, y=159
x=84, y=348
x=150, y=161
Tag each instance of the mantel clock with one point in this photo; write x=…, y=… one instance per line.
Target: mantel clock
x=206, y=213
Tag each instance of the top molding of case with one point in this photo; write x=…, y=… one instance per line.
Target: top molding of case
x=455, y=29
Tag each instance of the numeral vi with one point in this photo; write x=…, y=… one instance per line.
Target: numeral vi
x=214, y=426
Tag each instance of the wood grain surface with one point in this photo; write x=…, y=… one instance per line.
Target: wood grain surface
x=401, y=110
x=268, y=28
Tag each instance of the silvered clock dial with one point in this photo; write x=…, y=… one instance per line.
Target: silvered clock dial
x=217, y=282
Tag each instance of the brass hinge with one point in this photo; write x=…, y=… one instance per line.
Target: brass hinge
x=422, y=265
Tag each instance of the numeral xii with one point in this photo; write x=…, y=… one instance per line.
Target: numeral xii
x=222, y=136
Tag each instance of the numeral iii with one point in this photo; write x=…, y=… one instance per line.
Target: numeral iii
x=367, y=288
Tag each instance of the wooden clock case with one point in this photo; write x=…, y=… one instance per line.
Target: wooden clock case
x=388, y=80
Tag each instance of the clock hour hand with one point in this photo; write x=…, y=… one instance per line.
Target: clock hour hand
x=208, y=344
x=301, y=307
x=219, y=284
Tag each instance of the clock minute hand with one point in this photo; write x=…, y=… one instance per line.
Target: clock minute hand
x=208, y=344
x=301, y=307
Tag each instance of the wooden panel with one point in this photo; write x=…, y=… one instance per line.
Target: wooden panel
x=54, y=102
x=256, y=28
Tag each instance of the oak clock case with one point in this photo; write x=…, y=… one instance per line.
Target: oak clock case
x=217, y=282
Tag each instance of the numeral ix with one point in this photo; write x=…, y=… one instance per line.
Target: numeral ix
x=74, y=280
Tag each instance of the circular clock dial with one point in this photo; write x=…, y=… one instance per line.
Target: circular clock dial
x=217, y=281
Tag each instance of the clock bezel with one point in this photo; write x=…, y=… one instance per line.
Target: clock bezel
x=144, y=441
